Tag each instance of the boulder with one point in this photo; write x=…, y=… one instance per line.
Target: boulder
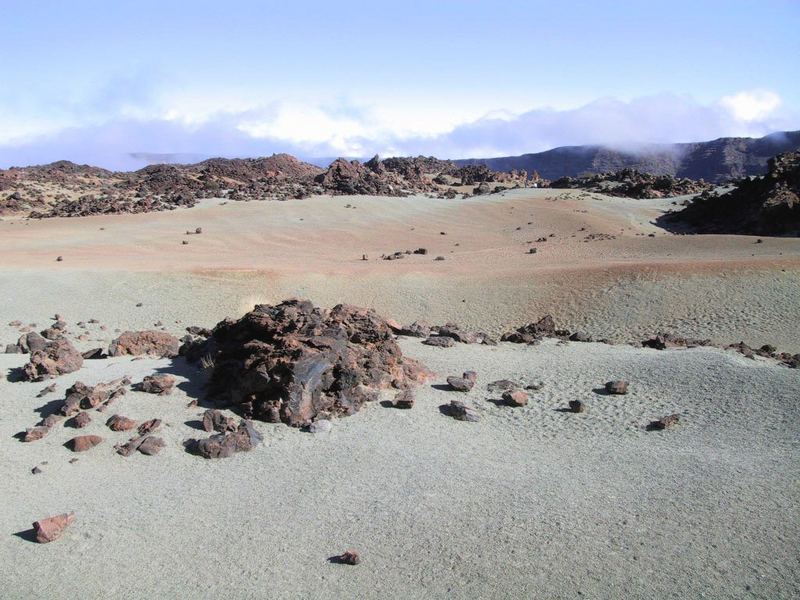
x=31, y=342
x=148, y=343
x=81, y=420
x=294, y=363
x=532, y=332
x=151, y=445
x=215, y=420
x=51, y=528
x=149, y=426
x=57, y=358
x=404, y=399
x=461, y=412
x=35, y=433
x=464, y=383
x=120, y=423
x=439, y=341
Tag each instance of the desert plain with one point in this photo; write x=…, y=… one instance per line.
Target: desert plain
x=531, y=501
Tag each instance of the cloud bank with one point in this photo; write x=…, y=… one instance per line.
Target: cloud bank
x=132, y=136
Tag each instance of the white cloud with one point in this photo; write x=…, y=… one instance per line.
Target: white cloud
x=751, y=105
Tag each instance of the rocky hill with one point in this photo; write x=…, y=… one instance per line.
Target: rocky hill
x=630, y=183
x=717, y=161
x=767, y=205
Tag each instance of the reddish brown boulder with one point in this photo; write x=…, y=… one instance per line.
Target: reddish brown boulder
x=82, y=443
x=151, y=445
x=151, y=343
x=82, y=396
x=58, y=357
x=51, y=528
x=460, y=411
x=515, y=398
x=528, y=334
x=215, y=420
x=158, y=384
x=464, y=383
x=120, y=423
x=294, y=362
x=439, y=341
x=51, y=420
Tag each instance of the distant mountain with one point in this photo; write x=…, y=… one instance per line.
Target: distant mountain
x=717, y=161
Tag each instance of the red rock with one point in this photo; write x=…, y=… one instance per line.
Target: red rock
x=405, y=399
x=51, y=420
x=82, y=443
x=150, y=343
x=664, y=422
x=151, y=445
x=460, y=384
x=51, y=528
x=149, y=426
x=224, y=445
x=214, y=420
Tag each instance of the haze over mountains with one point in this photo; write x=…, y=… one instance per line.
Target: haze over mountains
x=718, y=160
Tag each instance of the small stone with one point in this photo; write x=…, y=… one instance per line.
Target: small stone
x=51, y=528
x=120, y=423
x=215, y=420
x=35, y=433
x=59, y=258
x=460, y=384
x=502, y=385
x=321, y=426
x=158, y=384
x=149, y=426
x=618, y=386
x=405, y=399
x=664, y=422
x=577, y=406
x=461, y=412
x=151, y=445
x=349, y=557
x=515, y=397
x=36, y=470
x=51, y=420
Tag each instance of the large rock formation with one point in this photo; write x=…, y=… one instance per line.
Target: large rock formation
x=296, y=363
x=56, y=358
x=768, y=205
x=630, y=183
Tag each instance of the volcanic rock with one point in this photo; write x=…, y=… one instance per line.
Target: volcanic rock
x=151, y=445
x=120, y=423
x=58, y=357
x=515, y=398
x=349, y=557
x=150, y=342
x=224, y=445
x=663, y=422
x=158, y=384
x=215, y=420
x=404, y=399
x=533, y=332
x=321, y=426
x=461, y=412
x=464, y=383
x=51, y=528
x=439, y=341
x=81, y=420
x=292, y=362
x=35, y=433
x=577, y=406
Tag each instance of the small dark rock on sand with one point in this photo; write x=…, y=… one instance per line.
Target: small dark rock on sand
x=618, y=386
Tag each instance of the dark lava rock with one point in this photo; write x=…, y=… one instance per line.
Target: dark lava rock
x=439, y=342
x=349, y=557
x=515, y=398
x=158, y=384
x=82, y=443
x=295, y=363
x=120, y=423
x=532, y=332
x=461, y=412
x=215, y=420
x=81, y=420
x=577, y=406
x=663, y=422
x=404, y=399
x=464, y=383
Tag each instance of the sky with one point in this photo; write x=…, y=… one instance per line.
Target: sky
x=121, y=83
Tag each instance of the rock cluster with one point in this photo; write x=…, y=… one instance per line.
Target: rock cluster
x=150, y=343
x=296, y=363
x=57, y=357
x=630, y=183
x=223, y=445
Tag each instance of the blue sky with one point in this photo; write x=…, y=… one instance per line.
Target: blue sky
x=95, y=81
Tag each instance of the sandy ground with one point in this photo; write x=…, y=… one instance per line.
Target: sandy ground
x=728, y=288
x=529, y=502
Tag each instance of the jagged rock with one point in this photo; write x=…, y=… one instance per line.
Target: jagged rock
x=57, y=358
x=453, y=331
x=663, y=340
x=120, y=423
x=13, y=349
x=31, y=342
x=214, y=420
x=439, y=342
x=515, y=398
x=580, y=336
x=292, y=362
x=82, y=443
x=52, y=528
x=461, y=412
x=81, y=396
x=618, y=386
x=150, y=342
x=224, y=445
x=502, y=385
x=158, y=384
x=94, y=354
x=46, y=390
x=51, y=420
x=663, y=422
x=631, y=183
x=416, y=329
